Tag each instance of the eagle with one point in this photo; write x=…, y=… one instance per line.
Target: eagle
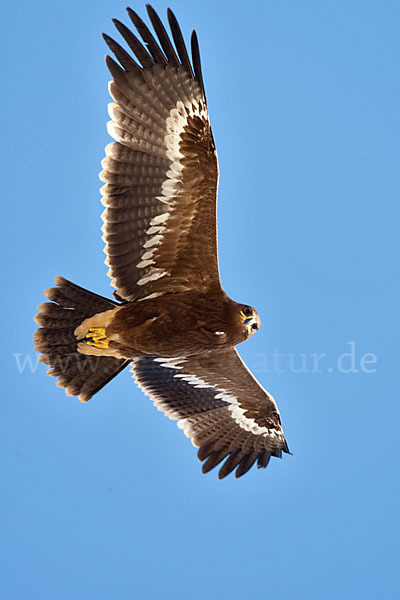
x=170, y=319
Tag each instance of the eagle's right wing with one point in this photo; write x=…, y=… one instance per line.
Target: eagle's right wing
x=161, y=174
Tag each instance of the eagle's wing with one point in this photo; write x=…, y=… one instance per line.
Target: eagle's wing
x=219, y=405
x=161, y=174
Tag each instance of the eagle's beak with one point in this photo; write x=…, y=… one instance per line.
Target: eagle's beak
x=248, y=322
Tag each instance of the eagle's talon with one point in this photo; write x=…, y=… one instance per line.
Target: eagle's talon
x=96, y=336
x=96, y=330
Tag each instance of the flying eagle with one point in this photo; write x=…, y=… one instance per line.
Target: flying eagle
x=170, y=320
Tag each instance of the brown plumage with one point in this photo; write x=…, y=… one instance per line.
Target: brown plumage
x=172, y=321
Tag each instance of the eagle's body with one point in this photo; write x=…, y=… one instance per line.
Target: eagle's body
x=171, y=320
x=195, y=323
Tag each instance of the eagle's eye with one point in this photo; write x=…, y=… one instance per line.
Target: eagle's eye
x=254, y=326
x=247, y=311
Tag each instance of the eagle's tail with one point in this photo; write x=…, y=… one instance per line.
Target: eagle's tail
x=81, y=375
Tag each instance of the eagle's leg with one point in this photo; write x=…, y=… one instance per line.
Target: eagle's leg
x=92, y=335
x=95, y=326
x=96, y=336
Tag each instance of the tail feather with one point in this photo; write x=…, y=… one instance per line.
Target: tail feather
x=53, y=316
x=80, y=374
x=70, y=295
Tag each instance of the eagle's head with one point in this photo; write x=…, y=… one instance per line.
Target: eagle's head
x=250, y=319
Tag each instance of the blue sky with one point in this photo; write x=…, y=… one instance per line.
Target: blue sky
x=107, y=500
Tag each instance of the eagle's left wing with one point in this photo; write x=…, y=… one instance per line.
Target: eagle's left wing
x=219, y=405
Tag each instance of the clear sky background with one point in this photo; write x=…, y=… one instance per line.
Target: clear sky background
x=107, y=500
